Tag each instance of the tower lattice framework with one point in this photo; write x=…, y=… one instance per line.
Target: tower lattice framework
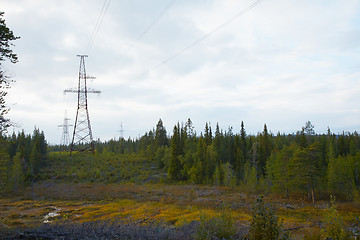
x=65, y=134
x=82, y=139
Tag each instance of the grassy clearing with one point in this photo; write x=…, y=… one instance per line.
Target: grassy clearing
x=170, y=205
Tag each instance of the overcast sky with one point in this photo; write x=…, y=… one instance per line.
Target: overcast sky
x=282, y=63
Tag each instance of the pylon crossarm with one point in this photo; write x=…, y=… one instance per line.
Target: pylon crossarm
x=81, y=91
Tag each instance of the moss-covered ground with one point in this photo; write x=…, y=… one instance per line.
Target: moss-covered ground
x=171, y=205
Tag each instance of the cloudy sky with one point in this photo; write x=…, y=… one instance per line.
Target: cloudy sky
x=282, y=62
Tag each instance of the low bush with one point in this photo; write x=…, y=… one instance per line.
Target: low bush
x=264, y=224
x=221, y=226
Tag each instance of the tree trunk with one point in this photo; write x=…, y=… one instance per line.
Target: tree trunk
x=313, y=195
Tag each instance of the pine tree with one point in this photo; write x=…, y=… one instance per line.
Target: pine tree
x=6, y=38
x=303, y=170
x=278, y=170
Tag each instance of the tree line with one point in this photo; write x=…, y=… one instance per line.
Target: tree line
x=303, y=162
x=22, y=157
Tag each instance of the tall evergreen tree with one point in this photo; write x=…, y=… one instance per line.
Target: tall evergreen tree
x=38, y=152
x=201, y=161
x=264, y=151
x=243, y=140
x=278, y=169
x=309, y=129
x=208, y=134
x=17, y=178
x=341, y=175
x=175, y=166
x=190, y=128
x=217, y=142
x=160, y=135
x=303, y=170
x=5, y=166
x=239, y=159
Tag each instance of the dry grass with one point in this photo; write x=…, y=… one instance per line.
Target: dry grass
x=170, y=205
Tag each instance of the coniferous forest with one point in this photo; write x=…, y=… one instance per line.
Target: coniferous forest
x=303, y=163
x=302, y=166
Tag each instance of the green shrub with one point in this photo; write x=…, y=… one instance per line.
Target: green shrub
x=218, y=227
x=264, y=224
x=334, y=224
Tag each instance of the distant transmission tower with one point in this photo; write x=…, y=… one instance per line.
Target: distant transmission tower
x=121, y=131
x=65, y=134
x=82, y=139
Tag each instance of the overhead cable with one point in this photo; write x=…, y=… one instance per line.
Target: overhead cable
x=172, y=57
x=152, y=24
x=97, y=25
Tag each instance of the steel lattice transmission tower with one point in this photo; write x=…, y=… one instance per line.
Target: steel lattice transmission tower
x=82, y=139
x=121, y=131
x=65, y=133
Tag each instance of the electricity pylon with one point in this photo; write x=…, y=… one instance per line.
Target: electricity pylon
x=82, y=139
x=121, y=131
x=65, y=133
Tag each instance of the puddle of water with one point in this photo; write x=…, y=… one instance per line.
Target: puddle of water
x=51, y=214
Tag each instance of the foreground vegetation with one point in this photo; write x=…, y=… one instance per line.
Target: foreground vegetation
x=175, y=209
x=206, y=185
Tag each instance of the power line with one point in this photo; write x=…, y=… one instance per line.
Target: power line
x=97, y=25
x=156, y=20
x=199, y=40
x=150, y=26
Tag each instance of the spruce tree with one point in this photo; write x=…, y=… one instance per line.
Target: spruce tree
x=208, y=134
x=5, y=167
x=341, y=179
x=160, y=135
x=175, y=166
x=264, y=151
x=243, y=140
x=17, y=178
